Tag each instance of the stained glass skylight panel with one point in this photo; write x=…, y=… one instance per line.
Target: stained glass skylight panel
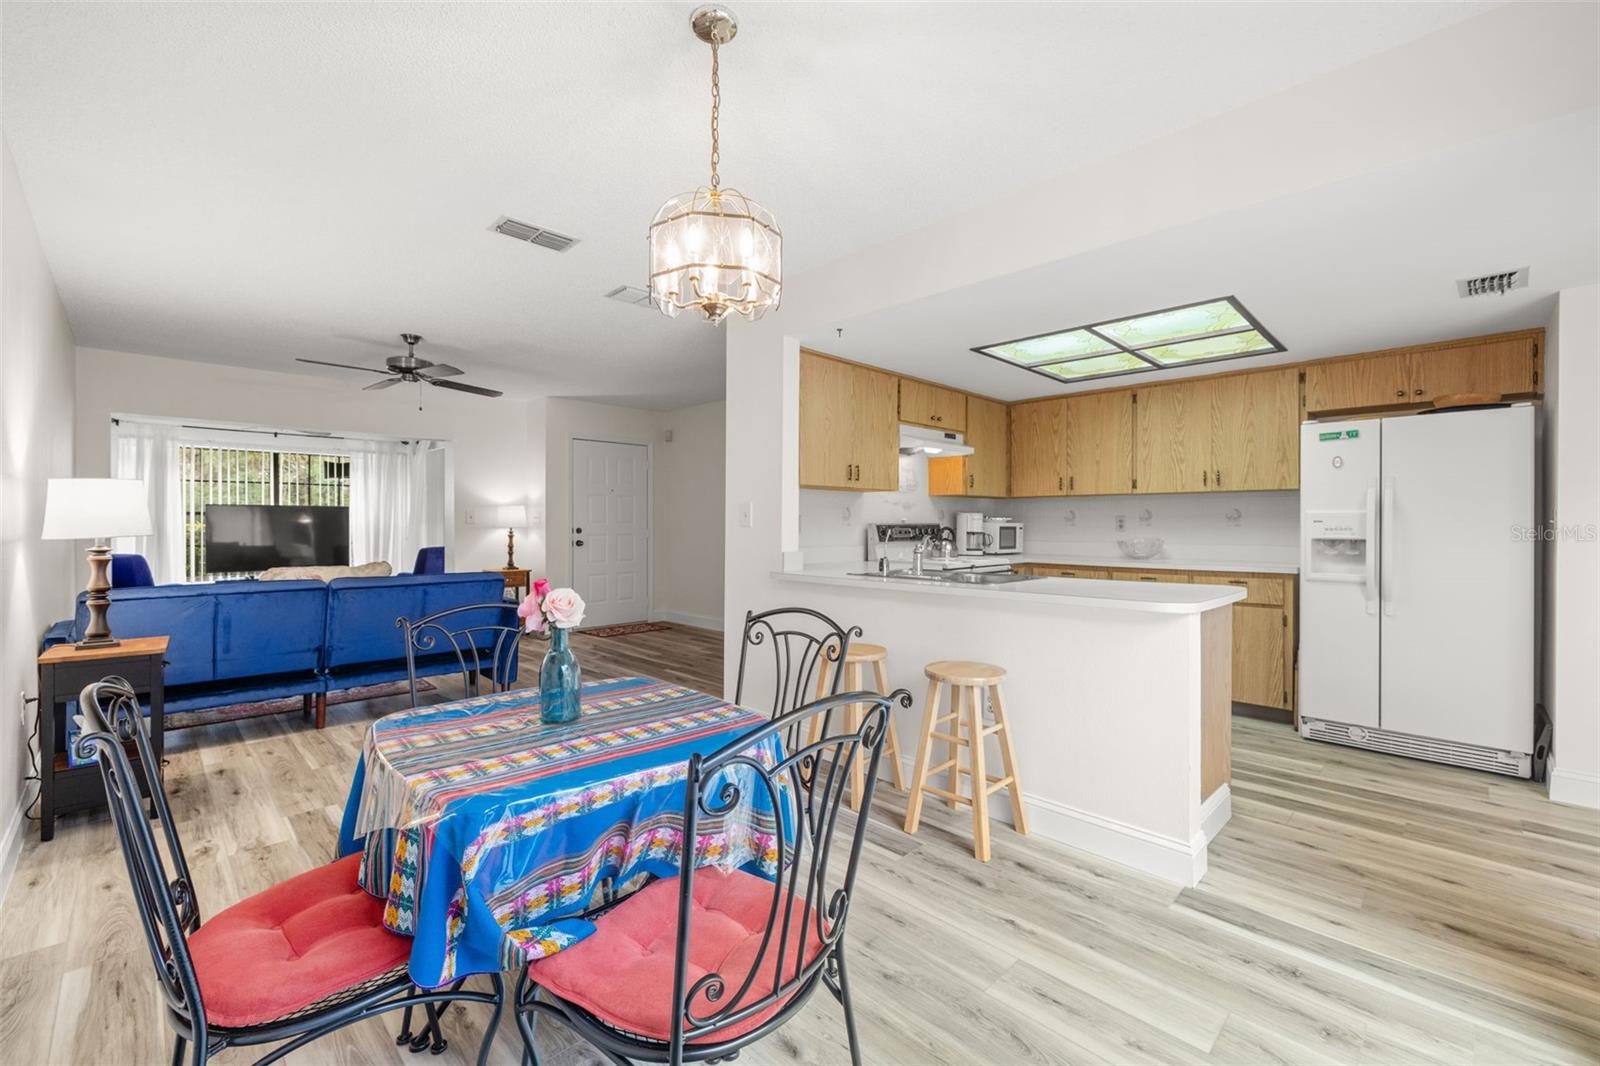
x=1177, y=336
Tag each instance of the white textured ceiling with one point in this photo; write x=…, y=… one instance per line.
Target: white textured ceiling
x=247, y=183
x=1352, y=266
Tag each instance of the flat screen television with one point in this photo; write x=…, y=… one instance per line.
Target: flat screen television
x=245, y=538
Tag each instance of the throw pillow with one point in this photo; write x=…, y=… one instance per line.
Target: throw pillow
x=325, y=573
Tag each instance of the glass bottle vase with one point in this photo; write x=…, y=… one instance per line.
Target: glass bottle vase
x=560, y=680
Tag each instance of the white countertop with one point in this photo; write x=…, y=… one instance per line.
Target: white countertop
x=1232, y=566
x=1163, y=597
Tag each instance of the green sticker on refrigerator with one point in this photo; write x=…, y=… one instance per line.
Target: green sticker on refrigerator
x=1349, y=434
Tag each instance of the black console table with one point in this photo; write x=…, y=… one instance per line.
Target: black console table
x=63, y=671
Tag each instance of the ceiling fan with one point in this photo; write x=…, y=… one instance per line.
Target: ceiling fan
x=409, y=368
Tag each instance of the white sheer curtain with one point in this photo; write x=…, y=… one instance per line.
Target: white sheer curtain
x=388, y=502
x=148, y=451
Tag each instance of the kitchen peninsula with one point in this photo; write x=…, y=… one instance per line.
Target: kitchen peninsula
x=1118, y=692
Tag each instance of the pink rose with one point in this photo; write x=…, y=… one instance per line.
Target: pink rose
x=564, y=608
x=528, y=610
x=540, y=587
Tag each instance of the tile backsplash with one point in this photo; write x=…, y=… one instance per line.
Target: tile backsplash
x=1259, y=526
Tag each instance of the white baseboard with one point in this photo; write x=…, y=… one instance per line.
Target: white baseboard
x=11, y=845
x=1164, y=857
x=1179, y=861
x=1574, y=787
x=684, y=618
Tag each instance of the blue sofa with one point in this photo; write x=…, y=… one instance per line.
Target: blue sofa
x=242, y=641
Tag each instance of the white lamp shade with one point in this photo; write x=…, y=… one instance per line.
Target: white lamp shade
x=508, y=516
x=92, y=508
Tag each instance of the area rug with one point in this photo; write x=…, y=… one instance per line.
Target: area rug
x=627, y=629
x=261, y=708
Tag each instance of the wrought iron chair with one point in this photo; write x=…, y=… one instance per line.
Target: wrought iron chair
x=223, y=984
x=761, y=946
x=483, y=641
x=800, y=642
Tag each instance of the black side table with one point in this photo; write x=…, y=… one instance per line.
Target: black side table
x=63, y=671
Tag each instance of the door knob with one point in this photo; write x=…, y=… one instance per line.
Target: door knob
x=579, y=543
x=578, y=529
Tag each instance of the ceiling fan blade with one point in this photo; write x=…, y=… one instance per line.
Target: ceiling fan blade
x=341, y=366
x=476, y=390
x=442, y=370
x=384, y=384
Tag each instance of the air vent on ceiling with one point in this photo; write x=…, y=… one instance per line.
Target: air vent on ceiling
x=1493, y=283
x=630, y=294
x=544, y=238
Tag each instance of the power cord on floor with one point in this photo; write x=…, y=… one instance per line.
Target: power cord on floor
x=37, y=776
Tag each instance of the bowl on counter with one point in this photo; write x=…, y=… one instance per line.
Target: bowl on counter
x=1141, y=547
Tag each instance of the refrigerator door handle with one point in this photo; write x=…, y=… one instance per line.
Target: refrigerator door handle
x=1386, y=545
x=1369, y=587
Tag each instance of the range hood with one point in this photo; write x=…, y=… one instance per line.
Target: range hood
x=934, y=442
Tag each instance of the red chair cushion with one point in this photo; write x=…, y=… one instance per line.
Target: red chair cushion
x=622, y=972
x=299, y=942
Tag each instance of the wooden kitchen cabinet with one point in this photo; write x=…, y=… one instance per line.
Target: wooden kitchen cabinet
x=1039, y=448
x=1504, y=367
x=1350, y=384
x=928, y=405
x=1260, y=655
x=987, y=471
x=1173, y=432
x=1177, y=577
x=1256, y=431
x=1059, y=570
x=1099, y=443
x=849, y=426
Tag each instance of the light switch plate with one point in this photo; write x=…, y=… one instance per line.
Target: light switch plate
x=747, y=514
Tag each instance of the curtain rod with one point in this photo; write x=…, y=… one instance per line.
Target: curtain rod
x=262, y=432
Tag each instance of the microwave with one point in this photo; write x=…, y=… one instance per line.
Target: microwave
x=1003, y=536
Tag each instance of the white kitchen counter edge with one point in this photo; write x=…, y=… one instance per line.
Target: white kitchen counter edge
x=1162, y=598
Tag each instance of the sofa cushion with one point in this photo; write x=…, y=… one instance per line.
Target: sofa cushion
x=622, y=972
x=325, y=573
x=269, y=627
x=362, y=611
x=298, y=944
x=185, y=613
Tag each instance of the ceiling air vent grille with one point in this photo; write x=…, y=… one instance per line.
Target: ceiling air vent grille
x=1493, y=283
x=544, y=238
x=630, y=294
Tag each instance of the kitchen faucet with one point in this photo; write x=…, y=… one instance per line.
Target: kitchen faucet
x=916, y=554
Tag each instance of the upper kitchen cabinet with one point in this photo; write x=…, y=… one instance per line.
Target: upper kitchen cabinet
x=923, y=404
x=1100, y=443
x=1173, y=428
x=1255, y=443
x=1039, y=448
x=986, y=472
x=849, y=426
x=1507, y=366
x=1354, y=384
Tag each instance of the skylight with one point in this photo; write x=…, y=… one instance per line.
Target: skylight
x=1201, y=332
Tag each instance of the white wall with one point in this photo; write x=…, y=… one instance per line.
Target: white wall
x=496, y=460
x=1572, y=554
x=689, y=536
x=36, y=414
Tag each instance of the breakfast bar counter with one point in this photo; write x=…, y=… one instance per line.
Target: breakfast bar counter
x=1119, y=695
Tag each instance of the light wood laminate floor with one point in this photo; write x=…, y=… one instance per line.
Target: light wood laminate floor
x=1358, y=909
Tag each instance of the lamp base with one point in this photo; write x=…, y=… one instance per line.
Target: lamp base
x=511, y=549
x=104, y=642
x=97, y=634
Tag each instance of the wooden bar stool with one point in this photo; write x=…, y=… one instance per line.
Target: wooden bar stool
x=855, y=671
x=969, y=684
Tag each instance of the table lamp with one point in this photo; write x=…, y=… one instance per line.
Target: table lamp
x=511, y=516
x=96, y=509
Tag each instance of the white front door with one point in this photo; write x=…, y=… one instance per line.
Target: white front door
x=610, y=534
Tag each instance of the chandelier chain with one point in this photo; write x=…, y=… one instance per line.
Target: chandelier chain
x=716, y=109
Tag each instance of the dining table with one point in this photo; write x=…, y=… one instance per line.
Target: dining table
x=491, y=834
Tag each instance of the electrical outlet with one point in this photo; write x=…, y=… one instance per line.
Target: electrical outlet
x=1122, y=522
x=1234, y=517
x=1071, y=518
x=22, y=706
x=471, y=517
x=844, y=516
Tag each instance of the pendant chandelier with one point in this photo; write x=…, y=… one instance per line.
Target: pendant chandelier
x=715, y=250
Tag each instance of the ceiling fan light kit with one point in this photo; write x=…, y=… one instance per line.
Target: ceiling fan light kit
x=409, y=368
x=715, y=250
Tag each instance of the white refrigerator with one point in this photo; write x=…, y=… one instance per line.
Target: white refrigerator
x=1417, y=549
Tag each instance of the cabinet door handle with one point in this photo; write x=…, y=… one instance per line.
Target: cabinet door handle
x=1059, y=486
x=1400, y=393
x=969, y=481
x=1219, y=479
x=1205, y=476
x=1072, y=482
x=1419, y=392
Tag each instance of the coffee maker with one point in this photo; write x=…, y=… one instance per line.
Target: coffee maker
x=970, y=537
